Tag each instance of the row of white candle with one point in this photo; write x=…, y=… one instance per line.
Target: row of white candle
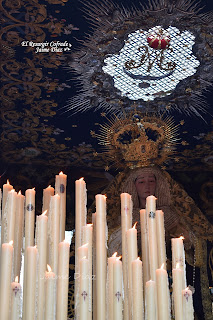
x=153, y=252
x=50, y=232
x=54, y=307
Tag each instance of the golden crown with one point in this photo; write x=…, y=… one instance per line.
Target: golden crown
x=137, y=140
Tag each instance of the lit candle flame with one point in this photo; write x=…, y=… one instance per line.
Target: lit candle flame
x=89, y=224
x=13, y=190
x=11, y=243
x=19, y=192
x=85, y=245
x=182, y=238
x=61, y=173
x=138, y=259
x=134, y=227
x=162, y=267
x=44, y=213
x=118, y=258
x=33, y=188
x=49, y=186
x=49, y=268
x=84, y=257
x=16, y=279
x=178, y=265
x=56, y=194
x=114, y=255
x=81, y=179
x=8, y=182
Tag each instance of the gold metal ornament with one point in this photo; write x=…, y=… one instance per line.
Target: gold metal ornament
x=138, y=140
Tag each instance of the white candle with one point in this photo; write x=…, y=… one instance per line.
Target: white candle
x=161, y=245
x=126, y=223
x=87, y=238
x=152, y=231
x=6, y=188
x=29, y=217
x=145, y=246
x=15, y=300
x=94, y=267
x=80, y=221
x=60, y=189
x=110, y=296
x=9, y=217
x=29, y=311
x=101, y=255
x=84, y=289
x=63, y=281
x=53, y=232
x=178, y=257
x=188, y=310
x=29, y=232
x=18, y=241
x=47, y=194
x=41, y=241
x=177, y=275
x=163, y=299
x=117, y=289
x=151, y=302
x=50, y=301
x=137, y=290
x=5, y=279
x=132, y=253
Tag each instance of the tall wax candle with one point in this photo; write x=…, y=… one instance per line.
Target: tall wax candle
x=87, y=238
x=187, y=301
x=84, y=289
x=152, y=231
x=178, y=257
x=177, y=275
x=47, y=194
x=18, y=241
x=126, y=223
x=53, y=232
x=80, y=221
x=7, y=187
x=28, y=231
x=101, y=255
x=15, y=300
x=60, y=189
x=161, y=244
x=132, y=253
x=110, y=296
x=82, y=252
x=151, y=303
x=50, y=301
x=29, y=311
x=145, y=246
x=137, y=290
x=63, y=281
x=5, y=279
x=9, y=217
x=117, y=290
x=163, y=297
x=29, y=217
x=94, y=267
x=41, y=240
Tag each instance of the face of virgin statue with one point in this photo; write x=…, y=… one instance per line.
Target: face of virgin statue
x=145, y=185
